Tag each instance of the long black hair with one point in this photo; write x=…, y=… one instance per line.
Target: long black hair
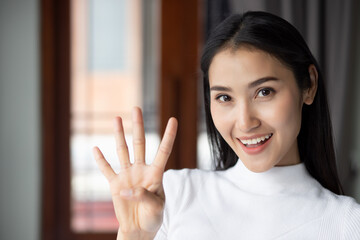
x=274, y=35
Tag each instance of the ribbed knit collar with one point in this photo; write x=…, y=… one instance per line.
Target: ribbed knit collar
x=282, y=179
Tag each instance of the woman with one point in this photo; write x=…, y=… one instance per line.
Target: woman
x=270, y=132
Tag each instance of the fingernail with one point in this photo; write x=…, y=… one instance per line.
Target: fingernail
x=126, y=192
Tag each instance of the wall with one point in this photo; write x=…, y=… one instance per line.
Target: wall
x=19, y=120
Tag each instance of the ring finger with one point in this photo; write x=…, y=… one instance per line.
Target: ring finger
x=121, y=147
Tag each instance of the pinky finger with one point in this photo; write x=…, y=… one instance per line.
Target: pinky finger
x=103, y=165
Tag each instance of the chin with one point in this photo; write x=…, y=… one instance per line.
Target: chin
x=258, y=167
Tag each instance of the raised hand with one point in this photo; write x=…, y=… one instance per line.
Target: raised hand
x=137, y=190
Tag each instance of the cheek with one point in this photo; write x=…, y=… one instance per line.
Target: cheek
x=286, y=114
x=221, y=119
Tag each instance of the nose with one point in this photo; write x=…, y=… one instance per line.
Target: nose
x=246, y=118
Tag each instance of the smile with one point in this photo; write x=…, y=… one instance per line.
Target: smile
x=254, y=142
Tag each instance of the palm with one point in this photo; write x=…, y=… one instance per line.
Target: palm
x=137, y=190
x=144, y=214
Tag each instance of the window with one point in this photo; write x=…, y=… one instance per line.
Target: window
x=106, y=81
x=77, y=113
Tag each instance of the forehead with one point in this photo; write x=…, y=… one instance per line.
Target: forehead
x=245, y=65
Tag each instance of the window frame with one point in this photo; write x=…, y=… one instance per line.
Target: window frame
x=180, y=39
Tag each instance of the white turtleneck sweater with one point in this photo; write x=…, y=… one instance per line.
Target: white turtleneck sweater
x=281, y=203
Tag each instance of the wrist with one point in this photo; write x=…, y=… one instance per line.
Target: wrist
x=138, y=235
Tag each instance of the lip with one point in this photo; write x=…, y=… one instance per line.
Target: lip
x=253, y=136
x=254, y=150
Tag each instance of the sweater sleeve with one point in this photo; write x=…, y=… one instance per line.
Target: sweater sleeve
x=352, y=221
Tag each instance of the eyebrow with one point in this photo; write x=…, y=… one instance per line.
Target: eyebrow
x=261, y=81
x=251, y=85
x=220, y=88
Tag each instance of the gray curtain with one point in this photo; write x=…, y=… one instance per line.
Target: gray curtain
x=330, y=28
x=340, y=44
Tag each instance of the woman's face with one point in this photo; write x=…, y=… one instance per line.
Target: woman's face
x=256, y=106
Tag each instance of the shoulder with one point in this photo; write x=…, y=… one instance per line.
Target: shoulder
x=185, y=191
x=344, y=213
x=189, y=175
x=183, y=186
x=337, y=204
x=352, y=219
x=190, y=179
x=185, y=180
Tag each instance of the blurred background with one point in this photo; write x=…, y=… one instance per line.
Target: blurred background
x=68, y=67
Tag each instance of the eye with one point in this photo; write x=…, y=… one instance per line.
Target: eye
x=265, y=92
x=223, y=98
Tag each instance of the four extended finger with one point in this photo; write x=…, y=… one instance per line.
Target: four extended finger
x=138, y=136
x=166, y=144
x=103, y=165
x=121, y=146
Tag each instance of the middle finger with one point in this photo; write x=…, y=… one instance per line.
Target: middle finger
x=138, y=136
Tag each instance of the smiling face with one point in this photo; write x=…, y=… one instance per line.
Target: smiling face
x=256, y=106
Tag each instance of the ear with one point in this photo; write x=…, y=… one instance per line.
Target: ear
x=309, y=94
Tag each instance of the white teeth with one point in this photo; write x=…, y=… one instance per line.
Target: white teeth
x=256, y=140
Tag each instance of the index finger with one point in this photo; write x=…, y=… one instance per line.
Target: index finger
x=166, y=144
